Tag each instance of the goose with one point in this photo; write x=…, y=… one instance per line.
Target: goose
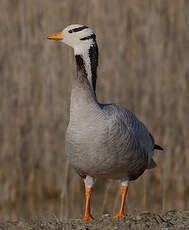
x=102, y=140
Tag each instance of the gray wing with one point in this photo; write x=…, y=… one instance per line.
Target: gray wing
x=142, y=138
x=132, y=134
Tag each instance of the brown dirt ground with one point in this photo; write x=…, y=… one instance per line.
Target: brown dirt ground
x=145, y=220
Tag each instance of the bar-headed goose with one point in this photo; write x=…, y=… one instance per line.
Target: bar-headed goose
x=102, y=140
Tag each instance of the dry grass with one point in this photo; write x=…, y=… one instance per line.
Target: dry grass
x=144, y=56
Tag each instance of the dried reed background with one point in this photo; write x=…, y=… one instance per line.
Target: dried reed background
x=144, y=65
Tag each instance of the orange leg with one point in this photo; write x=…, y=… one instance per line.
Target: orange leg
x=121, y=213
x=88, y=216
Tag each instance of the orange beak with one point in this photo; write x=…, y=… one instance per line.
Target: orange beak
x=57, y=36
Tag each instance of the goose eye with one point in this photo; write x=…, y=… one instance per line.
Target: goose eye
x=70, y=31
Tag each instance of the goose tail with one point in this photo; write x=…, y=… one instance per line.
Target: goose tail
x=158, y=147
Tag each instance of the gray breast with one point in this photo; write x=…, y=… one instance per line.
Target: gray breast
x=88, y=148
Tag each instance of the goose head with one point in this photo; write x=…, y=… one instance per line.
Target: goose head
x=79, y=37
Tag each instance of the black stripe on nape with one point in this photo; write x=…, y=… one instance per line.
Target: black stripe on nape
x=93, y=55
x=92, y=36
x=79, y=28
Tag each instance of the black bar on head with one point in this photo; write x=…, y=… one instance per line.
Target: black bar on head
x=79, y=28
x=92, y=36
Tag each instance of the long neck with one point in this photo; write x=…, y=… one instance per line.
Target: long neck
x=83, y=97
x=87, y=63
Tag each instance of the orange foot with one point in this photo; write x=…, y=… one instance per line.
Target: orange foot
x=87, y=218
x=119, y=216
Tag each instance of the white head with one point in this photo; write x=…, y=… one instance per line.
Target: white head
x=79, y=37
